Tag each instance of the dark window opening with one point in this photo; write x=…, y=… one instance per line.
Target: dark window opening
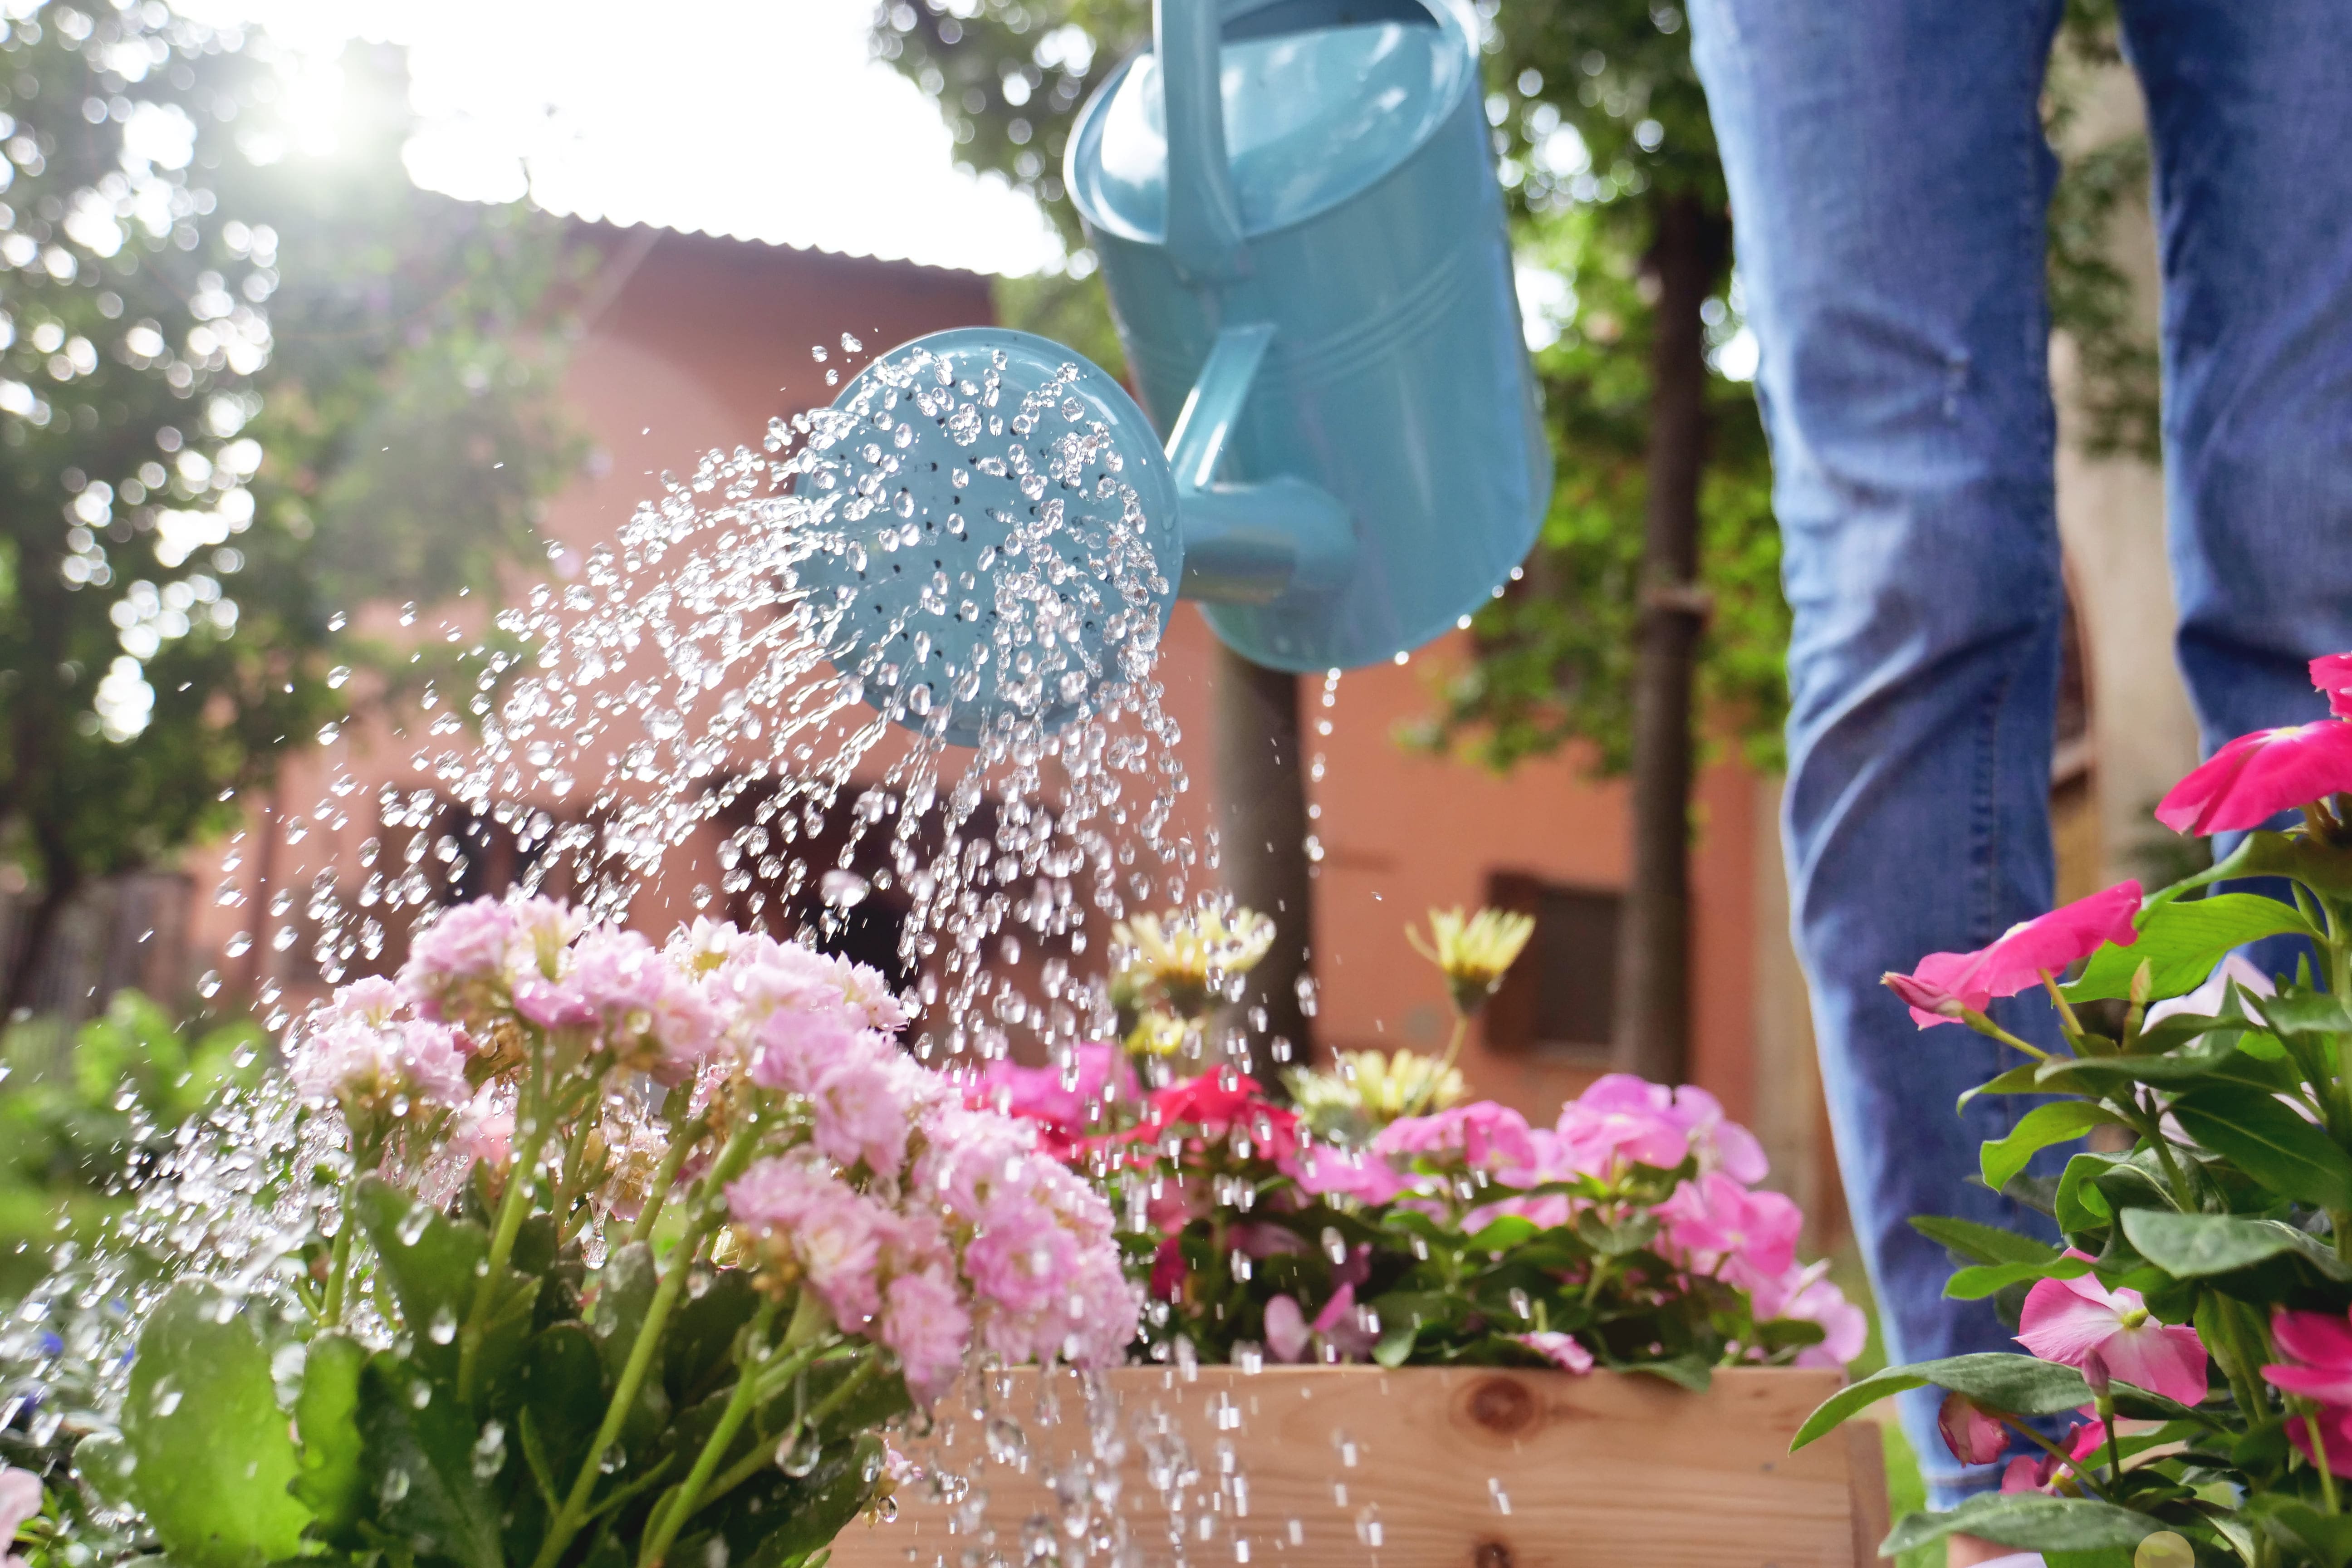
x=1561, y=995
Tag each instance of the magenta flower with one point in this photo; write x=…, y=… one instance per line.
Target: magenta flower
x=2020, y=956
x=2332, y=673
x=2257, y=776
x=1974, y=1436
x=2043, y=1474
x=1805, y=1293
x=2070, y=1321
x=1747, y=1238
x=1561, y=1349
x=1286, y=1334
x=2318, y=1347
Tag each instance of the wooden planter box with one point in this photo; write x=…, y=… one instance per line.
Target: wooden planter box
x=1425, y=1468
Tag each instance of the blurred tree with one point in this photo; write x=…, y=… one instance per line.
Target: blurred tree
x=1652, y=599
x=250, y=378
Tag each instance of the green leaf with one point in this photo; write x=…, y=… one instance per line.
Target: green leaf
x=2038, y=1128
x=434, y=1264
x=2198, y=1246
x=211, y=1455
x=1983, y=1243
x=1987, y=1279
x=326, y=1423
x=699, y=1348
x=1502, y=1234
x=1690, y=1372
x=625, y=1293
x=419, y=1448
x=2016, y=1081
x=564, y=1389
x=1396, y=1345
x=2081, y=1205
x=2028, y=1520
x=2013, y=1384
x=2306, y=1013
x=2270, y=1142
x=2322, y=868
x=2181, y=942
x=2300, y=1528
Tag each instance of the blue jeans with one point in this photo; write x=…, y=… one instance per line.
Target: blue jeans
x=1888, y=177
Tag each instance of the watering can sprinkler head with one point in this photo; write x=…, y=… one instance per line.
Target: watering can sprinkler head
x=1295, y=207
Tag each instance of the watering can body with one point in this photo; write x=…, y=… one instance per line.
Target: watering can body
x=1360, y=227
x=1295, y=206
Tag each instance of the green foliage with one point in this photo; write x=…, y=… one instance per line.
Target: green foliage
x=2233, y=1206
x=211, y=1457
x=391, y=1457
x=276, y=386
x=77, y=1125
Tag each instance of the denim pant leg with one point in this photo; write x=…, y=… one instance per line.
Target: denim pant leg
x=2251, y=119
x=1888, y=178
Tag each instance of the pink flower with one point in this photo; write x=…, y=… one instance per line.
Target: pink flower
x=2020, y=956
x=1337, y=1328
x=484, y=1132
x=1066, y=1097
x=1561, y=1349
x=2027, y=1475
x=1623, y=1119
x=372, y=1000
x=792, y=1051
x=860, y=1115
x=1019, y=1255
x=925, y=1324
x=1747, y=1238
x=1487, y=1136
x=1343, y=1173
x=552, y=1004
x=2257, y=776
x=2332, y=673
x=1286, y=1334
x=2319, y=1348
x=20, y=1500
x=1340, y=1327
x=790, y=1210
x=1974, y=1436
x=468, y=941
x=431, y=1064
x=1805, y=1294
x=2069, y=1320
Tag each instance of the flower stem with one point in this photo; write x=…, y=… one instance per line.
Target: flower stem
x=681, y=1145
x=2319, y=1459
x=513, y=1209
x=671, y=1514
x=1444, y=1065
x=710, y=1213
x=339, y=1264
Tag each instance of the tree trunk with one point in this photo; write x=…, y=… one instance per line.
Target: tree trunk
x=1261, y=810
x=1652, y=1022
x=32, y=944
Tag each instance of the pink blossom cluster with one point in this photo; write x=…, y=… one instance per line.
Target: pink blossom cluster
x=977, y=1235
x=1716, y=1223
x=367, y=1052
x=926, y=1223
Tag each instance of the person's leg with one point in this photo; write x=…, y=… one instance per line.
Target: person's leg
x=2251, y=115
x=1888, y=178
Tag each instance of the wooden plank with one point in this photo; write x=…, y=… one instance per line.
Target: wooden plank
x=1426, y=1468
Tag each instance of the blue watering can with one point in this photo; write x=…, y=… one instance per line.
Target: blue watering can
x=1295, y=207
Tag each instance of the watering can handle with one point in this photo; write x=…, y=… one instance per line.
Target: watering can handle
x=1204, y=218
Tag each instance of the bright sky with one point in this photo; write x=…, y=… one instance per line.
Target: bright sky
x=759, y=119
